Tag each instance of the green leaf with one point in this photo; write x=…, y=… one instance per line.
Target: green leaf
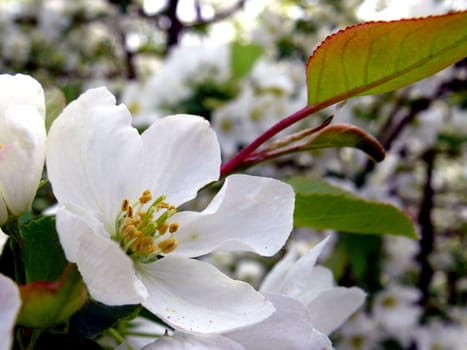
x=350, y=258
x=42, y=254
x=243, y=57
x=377, y=57
x=332, y=208
x=94, y=318
x=51, y=340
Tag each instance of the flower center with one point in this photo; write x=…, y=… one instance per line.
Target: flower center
x=143, y=230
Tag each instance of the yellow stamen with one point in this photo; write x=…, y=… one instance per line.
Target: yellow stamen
x=145, y=197
x=139, y=226
x=129, y=231
x=168, y=245
x=125, y=204
x=173, y=227
x=162, y=228
x=164, y=205
x=136, y=221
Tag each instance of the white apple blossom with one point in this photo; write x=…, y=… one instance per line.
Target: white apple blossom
x=313, y=286
x=10, y=303
x=22, y=142
x=118, y=194
x=307, y=304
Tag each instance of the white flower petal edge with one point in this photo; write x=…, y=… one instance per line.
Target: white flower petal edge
x=313, y=286
x=289, y=328
x=10, y=303
x=3, y=240
x=248, y=214
x=181, y=155
x=20, y=90
x=290, y=276
x=332, y=307
x=99, y=260
x=22, y=142
x=181, y=341
x=197, y=298
x=94, y=155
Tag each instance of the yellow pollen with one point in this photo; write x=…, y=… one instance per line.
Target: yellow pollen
x=145, y=197
x=164, y=205
x=163, y=228
x=168, y=245
x=173, y=227
x=141, y=224
x=137, y=238
x=125, y=204
x=146, y=245
x=129, y=231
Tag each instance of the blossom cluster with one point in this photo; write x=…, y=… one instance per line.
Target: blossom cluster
x=118, y=218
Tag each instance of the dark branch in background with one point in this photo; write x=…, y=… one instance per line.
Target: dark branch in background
x=175, y=28
x=393, y=127
x=426, y=230
x=219, y=16
x=391, y=131
x=167, y=20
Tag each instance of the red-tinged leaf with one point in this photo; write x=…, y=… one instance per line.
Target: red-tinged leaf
x=377, y=57
x=346, y=135
x=47, y=304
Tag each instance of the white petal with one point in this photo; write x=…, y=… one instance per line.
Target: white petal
x=274, y=280
x=182, y=341
x=320, y=279
x=249, y=213
x=287, y=329
x=195, y=297
x=300, y=277
x=21, y=89
x=107, y=271
x=332, y=307
x=94, y=156
x=3, y=240
x=181, y=156
x=22, y=154
x=10, y=303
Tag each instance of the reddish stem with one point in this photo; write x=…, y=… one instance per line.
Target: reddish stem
x=234, y=163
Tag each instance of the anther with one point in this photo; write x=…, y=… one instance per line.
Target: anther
x=173, y=227
x=125, y=204
x=129, y=211
x=162, y=228
x=164, y=205
x=145, y=197
x=129, y=231
x=168, y=245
